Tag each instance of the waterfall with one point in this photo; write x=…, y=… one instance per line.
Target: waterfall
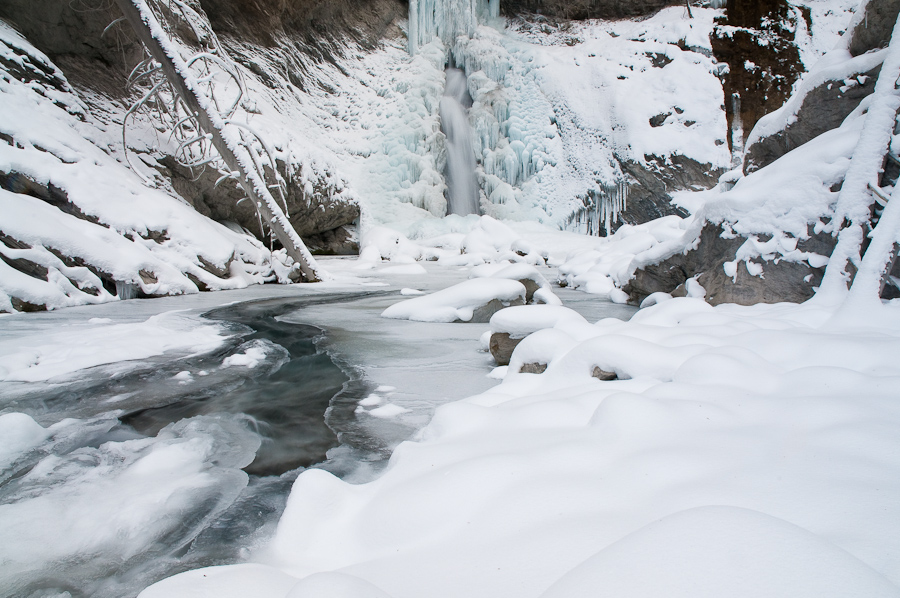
x=460, y=174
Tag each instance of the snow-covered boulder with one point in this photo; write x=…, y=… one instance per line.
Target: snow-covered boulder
x=510, y=326
x=473, y=300
x=537, y=288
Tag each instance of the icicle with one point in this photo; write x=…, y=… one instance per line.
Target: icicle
x=737, y=132
x=446, y=19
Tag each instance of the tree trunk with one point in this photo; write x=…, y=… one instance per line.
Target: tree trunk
x=224, y=136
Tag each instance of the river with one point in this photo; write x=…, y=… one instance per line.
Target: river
x=142, y=468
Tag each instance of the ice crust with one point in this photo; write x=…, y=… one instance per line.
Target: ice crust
x=63, y=518
x=46, y=356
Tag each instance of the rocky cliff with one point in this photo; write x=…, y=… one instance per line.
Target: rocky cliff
x=770, y=237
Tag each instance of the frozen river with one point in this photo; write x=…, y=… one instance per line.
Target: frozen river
x=147, y=437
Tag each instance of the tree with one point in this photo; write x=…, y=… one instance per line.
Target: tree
x=203, y=121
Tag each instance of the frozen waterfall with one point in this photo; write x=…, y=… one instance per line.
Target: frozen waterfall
x=460, y=174
x=446, y=19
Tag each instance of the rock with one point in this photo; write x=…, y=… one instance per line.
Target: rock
x=482, y=314
x=533, y=368
x=584, y=9
x=781, y=281
x=649, y=195
x=318, y=217
x=823, y=109
x=603, y=375
x=530, y=287
x=23, y=265
x=826, y=106
x=22, y=305
x=343, y=240
x=756, y=41
x=502, y=346
x=874, y=27
x=667, y=275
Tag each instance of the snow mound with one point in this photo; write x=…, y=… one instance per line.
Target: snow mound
x=522, y=320
x=710, y=552
x=465, y=302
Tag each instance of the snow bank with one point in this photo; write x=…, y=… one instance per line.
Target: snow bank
x=722, y=551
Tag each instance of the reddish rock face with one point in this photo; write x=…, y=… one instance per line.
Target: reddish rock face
x=756, y=40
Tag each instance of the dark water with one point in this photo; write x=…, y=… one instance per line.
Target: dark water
x=288, y=398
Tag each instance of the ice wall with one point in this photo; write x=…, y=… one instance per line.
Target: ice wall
x=446, y=19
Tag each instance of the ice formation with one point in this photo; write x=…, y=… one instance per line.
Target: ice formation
x=446, y=19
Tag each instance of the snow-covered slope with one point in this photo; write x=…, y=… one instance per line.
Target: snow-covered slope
x=79, y=227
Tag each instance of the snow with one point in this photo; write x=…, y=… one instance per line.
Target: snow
x=48, y=355
x=248, y=359
x=387, y=411
x=742, y=451
x=722, y=551
x=459, y=302
x=521, y=320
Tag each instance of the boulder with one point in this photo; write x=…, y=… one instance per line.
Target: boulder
x=649, y=195
x=502, y=346
x=510, y=326
x=873, y=28
x=533, y=368
x=603, y=375
x=824, y=108
x=780, y=281
x=483, y=313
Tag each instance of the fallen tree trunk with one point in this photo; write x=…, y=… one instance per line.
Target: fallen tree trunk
x=224, y=136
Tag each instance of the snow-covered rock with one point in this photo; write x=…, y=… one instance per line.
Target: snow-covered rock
x=473, y=300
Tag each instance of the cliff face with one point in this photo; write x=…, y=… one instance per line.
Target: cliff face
x=584, y=9
x=770, y=238
x=72, y=33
